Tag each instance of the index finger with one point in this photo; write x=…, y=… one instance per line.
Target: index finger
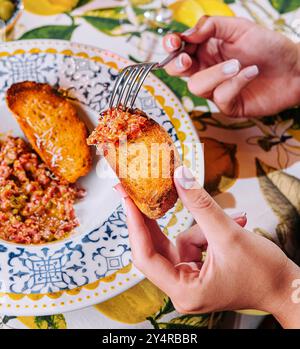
x=154, y=266
x=216, y=225
x=219, y=27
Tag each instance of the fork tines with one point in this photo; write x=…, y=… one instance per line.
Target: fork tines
x=128, y=85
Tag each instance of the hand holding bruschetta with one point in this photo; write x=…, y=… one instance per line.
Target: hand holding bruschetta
x=217, y=264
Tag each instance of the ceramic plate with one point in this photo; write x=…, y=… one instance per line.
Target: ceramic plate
x=94, y=263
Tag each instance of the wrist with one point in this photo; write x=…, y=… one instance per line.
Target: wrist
x=285, y=300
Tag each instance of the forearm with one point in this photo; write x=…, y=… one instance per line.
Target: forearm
x=286, y=305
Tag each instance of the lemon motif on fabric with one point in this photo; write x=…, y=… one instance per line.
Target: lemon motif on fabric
x=216, y=8
x=7, y=8
x=134, y=305
x=49, y=7
x=188, y=12
x=295, y=134
x=221, y=165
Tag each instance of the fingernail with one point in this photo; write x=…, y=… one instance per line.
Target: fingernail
x=170, y=43
x=231, y=67
x=189, y=266
x=183, y=62
x=184, y=177
x=237, y=215
x=179, y=62
x=189, y=31
x=123, y=203
x=251, y=72
x=119, y=189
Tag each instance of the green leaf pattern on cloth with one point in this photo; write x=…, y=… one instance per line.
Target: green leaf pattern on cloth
x=52, y=322
x=63, y=32
x=283, y=6
x=190, y=322
x=184, y=321
x=179, y=87
x=82, y=2
x=109, y=26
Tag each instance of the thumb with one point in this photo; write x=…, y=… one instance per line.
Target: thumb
x=216, y=225
x=223, y=28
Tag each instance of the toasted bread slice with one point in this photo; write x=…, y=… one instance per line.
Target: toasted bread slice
x=53, y=128
x=145, y=163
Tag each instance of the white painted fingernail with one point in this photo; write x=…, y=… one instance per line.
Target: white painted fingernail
x=123, y=205
x=189, y=31
x=179, y=62
x=251, y=72
x=237, y=215
x=184, y=177
x=231, y=67
x=169, y=43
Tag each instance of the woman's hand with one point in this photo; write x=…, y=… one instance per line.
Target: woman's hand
x=246, y=69
x=241, y=270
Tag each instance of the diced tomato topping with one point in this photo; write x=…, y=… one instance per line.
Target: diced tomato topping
x=35, y=206
x=116, y=124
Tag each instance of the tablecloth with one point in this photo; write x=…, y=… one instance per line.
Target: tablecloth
x=249, y=164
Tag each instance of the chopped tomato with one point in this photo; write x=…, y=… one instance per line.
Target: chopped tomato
x=35, y=206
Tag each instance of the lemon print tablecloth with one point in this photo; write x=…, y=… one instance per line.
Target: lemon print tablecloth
x=262, y=155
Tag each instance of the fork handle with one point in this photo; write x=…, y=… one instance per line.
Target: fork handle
x=170, y=57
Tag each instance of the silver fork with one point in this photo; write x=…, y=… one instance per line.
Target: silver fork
x=131, y=79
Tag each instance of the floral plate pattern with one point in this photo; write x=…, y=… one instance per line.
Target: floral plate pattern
x=93, y=264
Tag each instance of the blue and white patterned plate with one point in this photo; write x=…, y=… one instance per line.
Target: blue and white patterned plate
x=94, y=263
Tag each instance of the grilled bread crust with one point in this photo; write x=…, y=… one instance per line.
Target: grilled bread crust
x=53, y=128
x=154, y=194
